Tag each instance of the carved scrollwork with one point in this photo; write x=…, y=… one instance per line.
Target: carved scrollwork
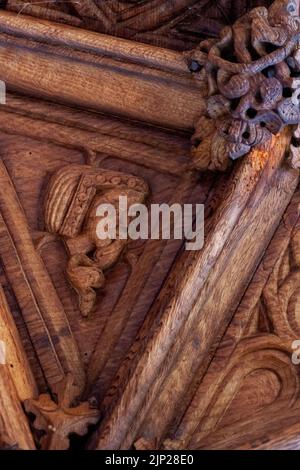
x=73, y=196
x=252, y=73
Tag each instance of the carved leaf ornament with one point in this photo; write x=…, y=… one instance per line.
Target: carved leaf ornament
x=252, y=72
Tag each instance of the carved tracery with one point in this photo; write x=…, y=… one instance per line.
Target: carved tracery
x=253, y=87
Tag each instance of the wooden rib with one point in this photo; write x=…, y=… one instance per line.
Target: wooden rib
x=203, y=402
x=113, y=89
x=14, y=427
x=45, y=315
x=181, y=338
x=141, y=154
x=16, y=383
x=15, y=356
x=104, y=125
x=57, y=34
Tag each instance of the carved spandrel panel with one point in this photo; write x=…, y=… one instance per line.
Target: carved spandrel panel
x=41, y=287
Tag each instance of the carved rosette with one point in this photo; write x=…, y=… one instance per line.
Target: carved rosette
x=253, y=84
x=73, y=196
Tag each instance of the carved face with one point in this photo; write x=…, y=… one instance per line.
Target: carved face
x=109, y=197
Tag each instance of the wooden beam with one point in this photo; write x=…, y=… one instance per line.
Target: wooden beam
x=14, y=427
x=42, y=309
x=102, y=73
x=13, y=353
x=16, y=383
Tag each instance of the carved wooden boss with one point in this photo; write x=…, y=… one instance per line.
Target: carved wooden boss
x=252, y=75
x=88, y=118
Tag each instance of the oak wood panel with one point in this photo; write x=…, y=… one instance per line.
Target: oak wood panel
x=37, y=140
x=148, y=398
x=44, y=310
x=16, y=383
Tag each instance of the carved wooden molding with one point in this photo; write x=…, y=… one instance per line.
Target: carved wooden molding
x=157, y=83
x=247, y=102
x=194, y=307
x=73, y=195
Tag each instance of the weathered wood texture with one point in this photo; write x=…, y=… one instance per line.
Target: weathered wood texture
x=249, y=397
x=37, y=140
x=147, y=358
x=14, y=355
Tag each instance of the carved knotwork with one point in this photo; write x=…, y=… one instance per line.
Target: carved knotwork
x=252, y=73
x=73, y=196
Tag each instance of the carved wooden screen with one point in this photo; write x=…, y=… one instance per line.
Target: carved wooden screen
x=138, y=344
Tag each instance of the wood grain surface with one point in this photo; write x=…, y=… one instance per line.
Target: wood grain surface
x=102, y=78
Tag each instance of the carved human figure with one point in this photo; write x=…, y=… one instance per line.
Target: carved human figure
x=73, y=196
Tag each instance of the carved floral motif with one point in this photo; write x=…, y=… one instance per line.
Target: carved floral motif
x=252, y=73
x=58, y=420
x=73, y=195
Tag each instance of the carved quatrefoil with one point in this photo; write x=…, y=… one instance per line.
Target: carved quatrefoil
x=253, y=83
